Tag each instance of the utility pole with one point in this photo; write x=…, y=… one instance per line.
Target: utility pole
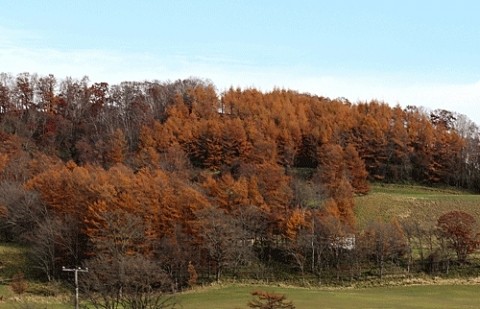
x=76, y=271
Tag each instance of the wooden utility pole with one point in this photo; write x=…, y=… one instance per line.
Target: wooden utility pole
x=76, y=271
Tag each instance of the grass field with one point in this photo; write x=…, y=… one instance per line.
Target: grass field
x=13, y=259
x=435, y=296
x=236, y=296
x=423, y=204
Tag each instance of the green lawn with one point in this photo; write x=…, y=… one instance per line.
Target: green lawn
x=435, y=296
x=237, y=296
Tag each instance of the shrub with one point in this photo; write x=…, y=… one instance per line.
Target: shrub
x=266, y=300
x=19, y=285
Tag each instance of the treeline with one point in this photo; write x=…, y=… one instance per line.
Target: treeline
x=198, y=182
x=82, y=121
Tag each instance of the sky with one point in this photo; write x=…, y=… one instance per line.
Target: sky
x=423, y=53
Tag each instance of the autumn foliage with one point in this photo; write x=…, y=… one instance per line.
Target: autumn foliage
x=460, y=230
x=266, y=300
x=179, y=155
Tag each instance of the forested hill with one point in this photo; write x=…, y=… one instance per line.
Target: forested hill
x=140, y=124
x=174, y=155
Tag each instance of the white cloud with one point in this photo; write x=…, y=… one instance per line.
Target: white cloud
x=461, y=98
x=116, y=66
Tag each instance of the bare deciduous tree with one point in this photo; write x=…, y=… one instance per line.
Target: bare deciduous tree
x=384, y=241
x=121, y=274
x=222, y=238
x=133, y=281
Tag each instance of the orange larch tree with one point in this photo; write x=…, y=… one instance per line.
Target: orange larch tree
x=332, y=176
x=369, y=137
x=355, y=170
x=116, y=148
x=398, y=153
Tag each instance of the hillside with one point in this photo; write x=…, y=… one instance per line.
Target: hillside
x=423, y=204
x=182, y=184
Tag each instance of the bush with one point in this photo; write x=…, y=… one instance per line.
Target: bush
x=19, y=285
x=266, y=300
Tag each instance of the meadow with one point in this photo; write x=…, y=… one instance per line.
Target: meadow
x=421, y=204
x=237, y=296
x=424, y=296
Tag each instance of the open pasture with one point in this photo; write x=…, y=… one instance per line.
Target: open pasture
x=421, y=204
x=418, y=296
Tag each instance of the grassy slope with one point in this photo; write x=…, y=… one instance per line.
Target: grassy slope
x=13, y=259
x=440, y=296
x=414, y=202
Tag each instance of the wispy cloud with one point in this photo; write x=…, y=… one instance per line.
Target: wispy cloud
x=17, y=55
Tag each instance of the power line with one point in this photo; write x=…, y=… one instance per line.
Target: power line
x=76, y=271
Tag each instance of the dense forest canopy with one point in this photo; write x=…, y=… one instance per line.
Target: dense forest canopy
x=199, y=168
x=139, y=124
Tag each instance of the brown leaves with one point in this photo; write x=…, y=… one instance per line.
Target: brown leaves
x=3, y=162
x=335, y=175
x=269, y=300
x=295, y=222
x=116, y=148
x=460, y=230
x=92, y=192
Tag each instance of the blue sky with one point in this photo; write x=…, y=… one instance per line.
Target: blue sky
x=424, y=53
